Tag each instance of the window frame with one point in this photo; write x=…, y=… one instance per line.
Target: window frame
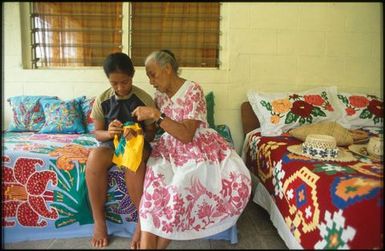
x=126, y=39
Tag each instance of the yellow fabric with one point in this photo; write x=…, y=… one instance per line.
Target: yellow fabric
x=128, y=153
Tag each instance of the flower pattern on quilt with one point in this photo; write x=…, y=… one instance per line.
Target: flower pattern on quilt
x=194, y=208
x=374, y=169
x=348, y=190
x=25, y=194
x=68, y=155
x=331, y=169
x=334, y=233
x=63, y=203
x=278, y=175
x=70, y=197
x=254, y=141
x=301, y=194
x=264, y=151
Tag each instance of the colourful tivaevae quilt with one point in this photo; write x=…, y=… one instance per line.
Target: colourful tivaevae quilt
x=44, y=193
x=323, y=204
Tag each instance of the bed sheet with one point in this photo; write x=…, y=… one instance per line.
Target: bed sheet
x=324, y=204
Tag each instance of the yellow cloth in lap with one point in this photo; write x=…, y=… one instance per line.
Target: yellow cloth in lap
x=128, y=153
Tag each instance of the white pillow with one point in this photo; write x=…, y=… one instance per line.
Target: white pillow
x=280, y=112
x=360, y=110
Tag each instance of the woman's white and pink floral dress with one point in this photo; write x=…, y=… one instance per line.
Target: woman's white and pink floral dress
x=197, y=189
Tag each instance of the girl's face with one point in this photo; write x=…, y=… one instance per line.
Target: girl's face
x=121, y=83
x=159, y=77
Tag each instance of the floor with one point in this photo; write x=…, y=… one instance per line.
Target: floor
x=255, y=231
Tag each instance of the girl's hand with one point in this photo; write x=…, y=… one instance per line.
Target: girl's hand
x=115, y=128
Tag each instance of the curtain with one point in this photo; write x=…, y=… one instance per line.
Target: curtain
x=76, y=33
x=190, y=30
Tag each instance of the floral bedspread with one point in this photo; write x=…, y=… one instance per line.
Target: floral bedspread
x=44, y=189
x=44, y=192
x=324, y=204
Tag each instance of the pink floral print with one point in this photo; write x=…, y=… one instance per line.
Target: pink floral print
x=192, y=190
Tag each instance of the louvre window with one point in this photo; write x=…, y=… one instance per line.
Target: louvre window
x=74, y=34
x=84, y=33
x=190, y=30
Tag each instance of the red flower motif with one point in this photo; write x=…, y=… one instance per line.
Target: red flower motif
x=358, y=101
x=350, y=111
x=375, y=106
x=243, y=190
x=329, y=107
x=25, y=193
x=302, y=108
x=205, y=210
x=314, y=99
x=160, y=197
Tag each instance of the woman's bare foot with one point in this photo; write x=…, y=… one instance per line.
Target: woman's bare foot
x=135, y=240
x=100, y=238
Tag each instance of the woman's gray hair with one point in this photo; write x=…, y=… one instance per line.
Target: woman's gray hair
x=164, y=57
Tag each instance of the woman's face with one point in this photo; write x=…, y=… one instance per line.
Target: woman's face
x=158, y=77
x=121, y=83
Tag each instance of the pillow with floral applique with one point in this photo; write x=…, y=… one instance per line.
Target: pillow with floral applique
x=360, y=110
x=282, y=111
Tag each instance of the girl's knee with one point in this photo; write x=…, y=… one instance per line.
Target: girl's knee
x=100, y=156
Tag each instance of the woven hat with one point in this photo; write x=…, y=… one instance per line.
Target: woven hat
x=342, y=135
x=362, y=149
x=322, y=147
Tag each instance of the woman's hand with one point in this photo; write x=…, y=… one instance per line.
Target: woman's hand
x=146, y=112
x=115, y=128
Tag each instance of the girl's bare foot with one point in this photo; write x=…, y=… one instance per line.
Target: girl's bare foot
x=135, y=240
x=100, y=238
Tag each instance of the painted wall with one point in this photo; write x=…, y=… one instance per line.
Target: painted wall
x=266, y=46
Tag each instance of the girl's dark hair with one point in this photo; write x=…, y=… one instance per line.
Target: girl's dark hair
x=118, y=62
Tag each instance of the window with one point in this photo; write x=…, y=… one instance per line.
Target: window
x=84, y=33
x=74, y=34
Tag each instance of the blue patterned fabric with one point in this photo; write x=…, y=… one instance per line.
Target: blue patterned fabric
x=63, y=116
x=86, y=107
x=28, y=115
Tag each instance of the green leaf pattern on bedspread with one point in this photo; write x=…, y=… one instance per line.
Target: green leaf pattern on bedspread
x=63, y=159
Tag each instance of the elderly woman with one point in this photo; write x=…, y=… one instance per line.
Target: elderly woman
x=195, y=184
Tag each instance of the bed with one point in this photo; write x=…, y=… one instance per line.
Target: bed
x=313, y=204
x=44, y=194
